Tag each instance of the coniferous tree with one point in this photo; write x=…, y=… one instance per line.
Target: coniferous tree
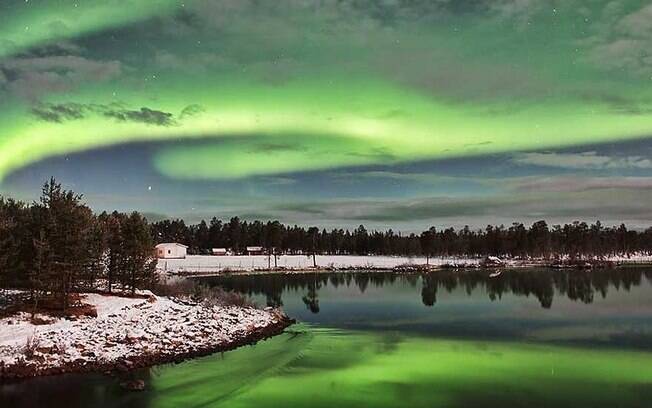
x=7, y=223
x=138, y=253
x=65, y=227
x=57, y=246
x=201, y=237
x=12, y=242
x=428, y=243
x=313, y=234
x=234, y=234
x=112, y=226
x=215, y=234
x=274, y=236
x=96, y=253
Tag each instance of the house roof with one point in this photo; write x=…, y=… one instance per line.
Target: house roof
x=164, y=244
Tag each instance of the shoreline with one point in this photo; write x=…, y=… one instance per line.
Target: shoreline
x=16, y=373
x=585, y=265
x=109, y=345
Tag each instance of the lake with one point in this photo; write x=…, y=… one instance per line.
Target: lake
x=525, y=338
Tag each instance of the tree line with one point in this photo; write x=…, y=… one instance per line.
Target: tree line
x=576, y=240
x=56, y=246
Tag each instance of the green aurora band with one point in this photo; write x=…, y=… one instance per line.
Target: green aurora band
x=290, y=88
x=28, y=23
x=339, y=368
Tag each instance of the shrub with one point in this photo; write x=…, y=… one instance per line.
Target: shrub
x=207, y=295
x=32, y=343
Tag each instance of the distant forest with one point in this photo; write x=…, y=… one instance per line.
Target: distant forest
x=576, y=240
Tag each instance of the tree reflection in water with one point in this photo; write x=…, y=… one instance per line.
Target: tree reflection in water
x=544, y=284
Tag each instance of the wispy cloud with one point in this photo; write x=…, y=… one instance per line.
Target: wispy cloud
x=576, y=184
x=585, y=160
x=63, y=112
x=142, y=115
x=628, y=205
x=31, y=77
x=625, y=41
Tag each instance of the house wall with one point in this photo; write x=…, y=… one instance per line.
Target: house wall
x=171, y=252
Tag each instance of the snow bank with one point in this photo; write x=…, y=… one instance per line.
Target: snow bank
x=208, y=264
x=126, y=332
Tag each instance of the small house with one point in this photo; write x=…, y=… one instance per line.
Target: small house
x=220, y=252
x=171, y=250
x=255, y=250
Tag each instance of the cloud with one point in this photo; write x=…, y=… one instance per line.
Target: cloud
x=59, y=113
x=630, y=205
x=619, y=104
x=380, y=33
x=576, y=184
x=519, y=10
x=32, y=77
x=62, y=48
x=440, y=72
x=583, y=161
x=637, y=24
x=191, y=110
x=194, y=63
x=142, y=115
x=625, y=41
x=390, y=179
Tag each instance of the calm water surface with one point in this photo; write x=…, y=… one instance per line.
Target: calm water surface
x=527, y=338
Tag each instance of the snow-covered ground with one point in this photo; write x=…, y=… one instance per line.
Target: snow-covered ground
x=199, y=264
x=127, y=329
x=208, y=264
x=634, y=258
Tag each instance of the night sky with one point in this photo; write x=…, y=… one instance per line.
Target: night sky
x=390, y=113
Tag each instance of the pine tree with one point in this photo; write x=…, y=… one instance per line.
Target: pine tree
x=138, y=253
x=112, y=227
x=15, y=254
x=6, y=242
x=64, y=226
x=96, y=253
x=274, y=237
x=428, y=243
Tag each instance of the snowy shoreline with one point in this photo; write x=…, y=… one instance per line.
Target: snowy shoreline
x=205, y=266
x=129, y=333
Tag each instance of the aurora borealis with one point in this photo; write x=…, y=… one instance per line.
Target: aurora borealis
x=321, y=371
x=335, y=112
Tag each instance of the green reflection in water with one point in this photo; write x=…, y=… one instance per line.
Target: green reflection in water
x=332, y=368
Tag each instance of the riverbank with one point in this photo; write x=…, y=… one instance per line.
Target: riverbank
x=203, y=266
x=128, y=333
